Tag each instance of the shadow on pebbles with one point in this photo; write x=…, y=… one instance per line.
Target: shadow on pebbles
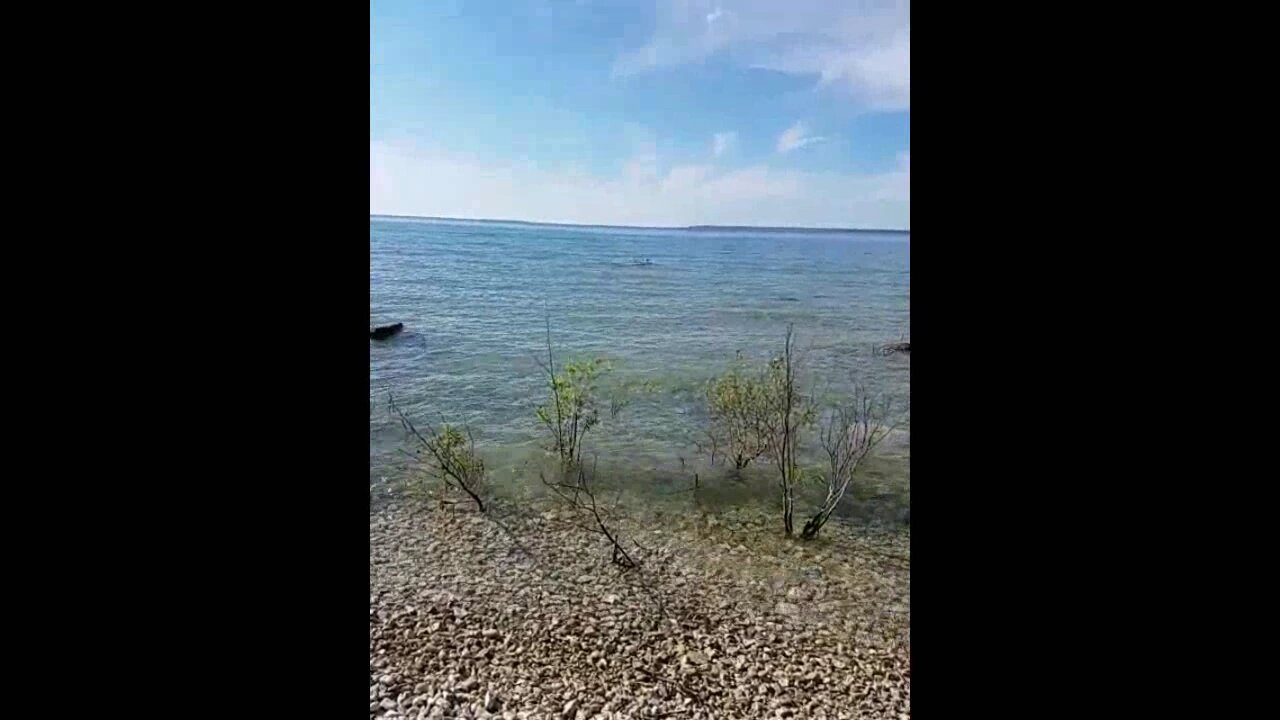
x=468, y=619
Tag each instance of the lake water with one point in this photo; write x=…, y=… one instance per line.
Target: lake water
x=671, y=307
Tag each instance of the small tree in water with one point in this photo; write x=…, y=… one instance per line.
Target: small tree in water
x=571, y=410
x=787, y=414
x=763, y=414
x=737, y=402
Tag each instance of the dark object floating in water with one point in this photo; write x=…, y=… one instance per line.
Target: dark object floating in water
x=641, y=263
x=386, y=331
x=788, y=298
x=898, y=347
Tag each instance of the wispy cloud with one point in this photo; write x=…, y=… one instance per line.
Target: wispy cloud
x=862, y=47
x=409, y=179
x=878, y=76
x=796, y=137
x=723, y=142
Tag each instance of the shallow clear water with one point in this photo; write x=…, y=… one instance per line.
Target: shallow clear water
x=474, y=298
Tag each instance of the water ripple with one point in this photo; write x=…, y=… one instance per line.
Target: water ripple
x=474, y=303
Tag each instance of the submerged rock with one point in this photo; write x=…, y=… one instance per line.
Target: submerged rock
x=385, y=331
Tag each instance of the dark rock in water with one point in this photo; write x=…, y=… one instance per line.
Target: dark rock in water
x=386, y=331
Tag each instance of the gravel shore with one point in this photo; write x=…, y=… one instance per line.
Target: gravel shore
x=522, y=615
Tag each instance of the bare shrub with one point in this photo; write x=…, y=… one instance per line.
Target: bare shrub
x=621, y=396
x=849, y=433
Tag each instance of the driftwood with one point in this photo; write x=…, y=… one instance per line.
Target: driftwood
x=386, y=331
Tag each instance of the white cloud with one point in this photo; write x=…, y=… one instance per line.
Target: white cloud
x=408, y=179
x=877, y=76
x=723, y=142
x=796, y=137
x=896, y=185
x=862, y=47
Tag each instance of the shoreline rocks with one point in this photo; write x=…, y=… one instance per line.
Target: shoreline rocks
x=464, y=624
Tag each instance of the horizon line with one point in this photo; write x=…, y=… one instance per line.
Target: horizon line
x=757, y=228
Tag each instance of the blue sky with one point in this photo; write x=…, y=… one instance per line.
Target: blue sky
x=674, y=112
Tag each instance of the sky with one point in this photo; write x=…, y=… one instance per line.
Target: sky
x=642, y=112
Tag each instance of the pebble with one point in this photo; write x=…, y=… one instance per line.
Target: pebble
x=786, y=608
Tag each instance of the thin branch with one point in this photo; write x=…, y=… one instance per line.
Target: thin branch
x=583, y=489
x=849, y=434
x=679, y=685
x=455, y=467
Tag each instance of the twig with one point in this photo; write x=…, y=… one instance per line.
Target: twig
x=583, y=489
x=452, y=469
x=679, y=685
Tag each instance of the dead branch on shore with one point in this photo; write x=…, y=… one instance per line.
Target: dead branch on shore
x=678, y=684
x=453, y=457
x=580, y=496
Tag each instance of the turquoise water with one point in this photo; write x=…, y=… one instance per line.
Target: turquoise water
x=667, y=306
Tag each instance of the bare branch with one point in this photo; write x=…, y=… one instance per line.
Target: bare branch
x=849, y=434
x=456, y=462
x=584, y=501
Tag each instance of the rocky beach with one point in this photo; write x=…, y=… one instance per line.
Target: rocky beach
x=520, y=613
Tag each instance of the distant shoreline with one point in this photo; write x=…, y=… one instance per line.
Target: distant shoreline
x=689, y=228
